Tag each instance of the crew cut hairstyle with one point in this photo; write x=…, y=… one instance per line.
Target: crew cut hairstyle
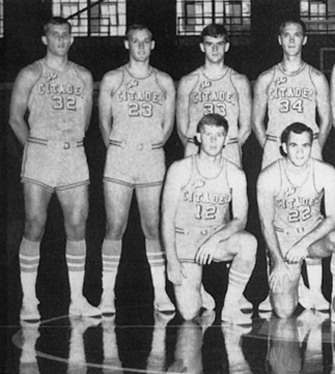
x=56, y=21
x=290, y=21
x=135, y=27
x=213, y=119
x=215, y=30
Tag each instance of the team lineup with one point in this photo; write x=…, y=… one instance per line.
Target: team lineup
x=196, y=212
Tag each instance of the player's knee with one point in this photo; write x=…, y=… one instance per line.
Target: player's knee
x=150, y=231
x=248, y=244
x=34, y=228
x=115, y=232
x=189, y=313
x=331, y=238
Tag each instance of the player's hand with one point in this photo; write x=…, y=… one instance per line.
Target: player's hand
x=277, y=276
x=175, y=272
x=297, y=253
x=206, y=252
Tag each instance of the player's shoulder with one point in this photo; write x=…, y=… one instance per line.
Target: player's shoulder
x=29, y=75
x=163, y=77
x=267, y=75
x=31, y=71
x=82, y=70
x=270, y=174
x=190, y=77
x=238, y=78
x=316, y=74
x=113, y=77
x=83, y=73
x=322, y=167
x=234, y=171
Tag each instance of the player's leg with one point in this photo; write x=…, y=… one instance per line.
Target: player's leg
x=188, y=292
x=241, y=249
x=285, y=299
x=148, y=202
x=74, y=203
x=324, y=247
x=271, y=153
x=36, y=200
x=117, y=203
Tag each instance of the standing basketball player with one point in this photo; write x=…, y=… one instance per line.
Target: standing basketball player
x=136, y=105
x=288, y=92
x=215, y=88
x=289, y=194
x=58, y=95
x=197, y=194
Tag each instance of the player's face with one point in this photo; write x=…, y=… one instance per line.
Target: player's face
x=58, y=39
x=292, y=39
x=140, y=45
x=212, y=139
x=298, y=148
x=214, y=48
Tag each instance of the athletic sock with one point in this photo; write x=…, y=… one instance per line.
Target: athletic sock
x=75, y=259
x=29, y=258
x=111, y=253
x=237, y=282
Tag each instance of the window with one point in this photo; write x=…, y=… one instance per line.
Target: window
x=107, y=18
x=1, y=19
x=319, y=15
x=194, y=15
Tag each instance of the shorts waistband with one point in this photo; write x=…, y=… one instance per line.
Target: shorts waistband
x=297, y=230
x=145, y=146
x=203, y=232
x=65, y=145
x=274, y=138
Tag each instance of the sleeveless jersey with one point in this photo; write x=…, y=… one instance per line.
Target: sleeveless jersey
x=138, y=108
x=57, y=104
x=291, y=98
x=297, y=207
x=203, y=203
x=214, y=96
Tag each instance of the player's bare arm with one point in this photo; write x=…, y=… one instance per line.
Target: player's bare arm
x=23, y=85
x=242, y=86
x=259, y=105
x=324, y=180
x=323, y=105
x=332, y=94
x=108, y=85
x=86, y=76
x=177, y=177
x=169, y=105
x=185, y=87
x=237, y=183
x=266, y=191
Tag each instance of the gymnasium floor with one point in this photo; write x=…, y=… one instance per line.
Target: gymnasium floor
x=137, y=340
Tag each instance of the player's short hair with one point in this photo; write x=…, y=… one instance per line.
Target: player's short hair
x=213, y=119
x=290, y=21
x=56, y=21
x=215, y=30
x=297, y=128
x=136, y=27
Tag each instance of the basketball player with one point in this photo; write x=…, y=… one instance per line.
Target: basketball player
x=288, y=92
x=136, y=105
x=289, y=193
x=198, y=191
x=58, y=95
x=215, y=88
